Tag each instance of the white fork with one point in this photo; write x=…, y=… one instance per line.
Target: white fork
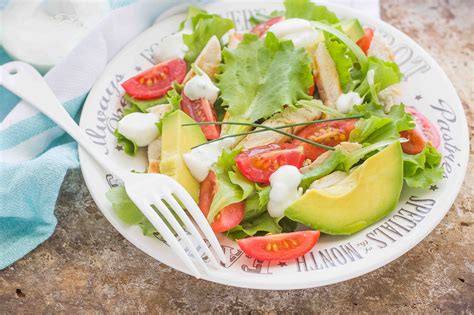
x=144, y=190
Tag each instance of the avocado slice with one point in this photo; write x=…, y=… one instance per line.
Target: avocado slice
x=352, y=28
x=177, y=140
x=368, y=194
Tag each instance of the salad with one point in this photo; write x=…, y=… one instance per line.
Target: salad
x=281, y=133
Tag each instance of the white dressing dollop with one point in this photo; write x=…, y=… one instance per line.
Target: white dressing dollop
x=201, y=86
x=284, y=189
x=170, y=47
x=200, y=160
x=299, y=31
x=346, y=101
x=139, y=128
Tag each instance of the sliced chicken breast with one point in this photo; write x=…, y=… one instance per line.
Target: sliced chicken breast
x=154, y=156
x=289, y=115
x=327, y=78
x=208, y=60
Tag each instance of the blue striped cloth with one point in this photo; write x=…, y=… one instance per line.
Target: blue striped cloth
x=34, y=153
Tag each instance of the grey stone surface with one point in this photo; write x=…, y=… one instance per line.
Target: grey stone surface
x=86, y=266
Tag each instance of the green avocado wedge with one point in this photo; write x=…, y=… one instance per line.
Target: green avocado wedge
x=368, y=194
x=177, y=140
x=352, y=28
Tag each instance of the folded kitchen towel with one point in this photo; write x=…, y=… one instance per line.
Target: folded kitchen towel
x=34, y=153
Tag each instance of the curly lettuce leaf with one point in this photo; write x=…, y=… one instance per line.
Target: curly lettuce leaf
x=306, y=9
x=259, y=77
x=232, y=186
x=204, y=26
x=129, y=147
x=423, y=169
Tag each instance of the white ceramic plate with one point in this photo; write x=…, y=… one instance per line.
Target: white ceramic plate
x=334, y=259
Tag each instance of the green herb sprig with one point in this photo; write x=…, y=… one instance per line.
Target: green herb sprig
x=268, y=128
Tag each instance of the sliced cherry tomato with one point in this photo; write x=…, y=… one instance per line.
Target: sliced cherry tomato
x=258, y=164
x=330, y=133
x=228, y=217
x=311, y=90
x=424, y=126
x=279, y=246
x=416, y=142
x=202, y=110
x=364, y=42
x=262, y=28
x=157, y=81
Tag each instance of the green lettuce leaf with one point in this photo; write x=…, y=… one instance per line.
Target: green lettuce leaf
x=130, y=214
x=380, y=126
x=256, y=204
x=123, y=206
x=232, y=186
x=342, y=161
x=347, y=65
x=192, y=12
x=204, y=26
x=386, y=73
x=423, y=169
x=306, y=9
x=259, y=225
x=129, y=147
x=333, y=162
x=259, y=77
x=141, y=105
x=259, y=18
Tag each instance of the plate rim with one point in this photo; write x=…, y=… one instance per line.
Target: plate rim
x=308, y=280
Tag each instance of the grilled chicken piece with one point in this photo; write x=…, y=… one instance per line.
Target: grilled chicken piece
x=160, y=110
x=208, y=60
x=154, y=156
x=347, y=147
x=380, y=49
x=234, y=40
x=289, y=115
x=327, y=78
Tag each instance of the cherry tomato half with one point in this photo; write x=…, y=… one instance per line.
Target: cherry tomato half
x=228, y=217
x=201, y=110
x=279, y=246
x=364, y=42
x=330, y=133
x=262, y=28
x=416, y=142
x=424, y=126
x=258, y=164
x=156, y=82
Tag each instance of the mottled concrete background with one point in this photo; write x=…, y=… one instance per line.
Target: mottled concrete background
x=87, y=266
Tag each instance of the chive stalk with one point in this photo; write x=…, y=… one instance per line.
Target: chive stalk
x=274, y=129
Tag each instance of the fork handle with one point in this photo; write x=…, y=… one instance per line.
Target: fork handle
x=23, y=80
